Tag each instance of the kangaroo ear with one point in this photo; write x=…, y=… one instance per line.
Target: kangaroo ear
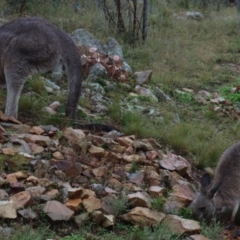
x=214, y=189
x=205, y=181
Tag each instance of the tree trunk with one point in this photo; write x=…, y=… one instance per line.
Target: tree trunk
x=238, y=12
x=120, y=22
x=145, y=18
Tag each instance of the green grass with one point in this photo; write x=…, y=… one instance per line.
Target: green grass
x=181, y=53
x=213, y=231
x=158, y=203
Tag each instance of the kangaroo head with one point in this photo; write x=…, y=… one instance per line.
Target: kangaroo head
x=203, y=205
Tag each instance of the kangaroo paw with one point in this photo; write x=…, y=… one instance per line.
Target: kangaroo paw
x=236, y=234
x=230, y=226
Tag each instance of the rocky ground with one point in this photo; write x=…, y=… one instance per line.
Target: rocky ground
x=109, y=176
x=76, y=176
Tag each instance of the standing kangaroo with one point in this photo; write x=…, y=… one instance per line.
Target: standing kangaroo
x=224, y=190
x=33, y=45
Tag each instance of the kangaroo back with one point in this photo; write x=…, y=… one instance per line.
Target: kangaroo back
x=224, y=190
x=34, y=45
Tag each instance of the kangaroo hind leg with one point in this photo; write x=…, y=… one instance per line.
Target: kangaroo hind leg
x=15, y=79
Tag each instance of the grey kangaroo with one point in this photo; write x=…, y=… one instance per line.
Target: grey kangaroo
x=223, y=191
x=33, y=45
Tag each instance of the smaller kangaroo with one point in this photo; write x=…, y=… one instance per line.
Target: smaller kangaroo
x=33, y=45
x=223, y=191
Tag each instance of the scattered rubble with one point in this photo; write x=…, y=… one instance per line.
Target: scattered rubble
x=92, y=174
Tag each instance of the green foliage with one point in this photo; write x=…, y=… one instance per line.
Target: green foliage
x=158, y=203
x=27, y=233
x=119, y=205
x=134, y=167
x=185, y=97
x=185, y=213
x=36, y=85
x=157, y=233
x=212, y=231
x=225, y=91
x=13, y=163
x=74, y=237
x=203, y=141
x=30, y=106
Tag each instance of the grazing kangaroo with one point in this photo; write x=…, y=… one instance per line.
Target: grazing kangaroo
x=33, y=45
x=224, y=190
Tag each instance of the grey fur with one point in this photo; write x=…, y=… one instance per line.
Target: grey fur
x=33, y=45
x=224, y=190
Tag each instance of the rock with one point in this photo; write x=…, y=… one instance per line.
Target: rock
x=7, y=232
x=107, y=205
x=52, y=194
x=197, y=237
x=100, y=172
x=97, y=217
x=76, y=136
x=117, y=148
x=154, y=178
x=131, y=158
x=91, y=204
x=8, y=209
x=54, y=105
x=11, y=178
x=57, y=211
x=96, y=71
x=51, y=84
x=96, y=151
x=2, y=181
x=151, y=155
x=143, y=77
x=136, y=178
x=74, y=204
x=146, y=92
x=176, y=163
x=58, y=155
x=43, y=141
x=125, y=141
x=86, y=193
x=19, y=145
x=81, y=219
x=161, y=95
x=28, y=213
x=35, y=148
x=71, y=169
x=115, y=184
x=9, y=151
x=95, y=87
x=36, y=130
x=143, y=217
x=113, y=48
x=75, y=192
x=108, y=221
x=139, y=199
x=21, y=199
x=156, y=191
x=3, y=195
x=140, y=145
x=20, y=129
x=49, y=110
x=205, y=94
x=49, y=90
x=195, y=16
x=36, y=191
x=127, y=68
x=181, y=226
x=184, y=193
x=83, y=38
